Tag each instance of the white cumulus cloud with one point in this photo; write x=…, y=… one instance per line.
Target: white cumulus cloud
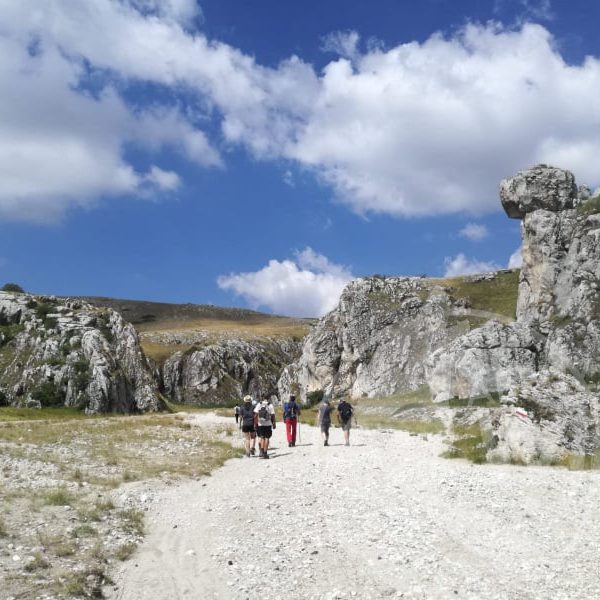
x=516, y=260
x=417, y=129
x=474, y=232
x=461, y=265
x=309, y=286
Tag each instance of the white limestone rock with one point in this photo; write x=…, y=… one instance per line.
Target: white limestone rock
x=545, y=419
x=67, y=352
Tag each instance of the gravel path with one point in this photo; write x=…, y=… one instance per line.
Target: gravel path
x=385, y=517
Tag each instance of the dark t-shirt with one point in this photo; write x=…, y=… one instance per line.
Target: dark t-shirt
x=325, y=414
x=345, y=411
x=247, y=414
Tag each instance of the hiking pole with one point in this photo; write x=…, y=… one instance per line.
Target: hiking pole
x=299, y=436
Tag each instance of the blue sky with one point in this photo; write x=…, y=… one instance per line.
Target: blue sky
x=262, y=153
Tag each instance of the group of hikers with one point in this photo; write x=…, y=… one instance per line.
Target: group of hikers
x=257, y=420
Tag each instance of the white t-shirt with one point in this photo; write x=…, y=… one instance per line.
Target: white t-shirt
x=265, y=422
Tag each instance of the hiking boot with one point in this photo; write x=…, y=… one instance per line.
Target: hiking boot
x=253, y=451
x=325, y=443
x=265, y=455
x=290, y=444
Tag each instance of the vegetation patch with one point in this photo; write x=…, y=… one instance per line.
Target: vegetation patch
x=591, y=207
x=581, y=462
x=492, y=400
x=49, y=394
x=496, y=295
x=15, y=288
x=470, y=442
x=125, y=551
x=9, y=332
x=13, y=413
x=58, y=497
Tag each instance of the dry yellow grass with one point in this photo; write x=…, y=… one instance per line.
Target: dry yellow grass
x=160, y=352
x=270, y=327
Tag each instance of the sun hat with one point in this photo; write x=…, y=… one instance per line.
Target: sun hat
x=247, y=398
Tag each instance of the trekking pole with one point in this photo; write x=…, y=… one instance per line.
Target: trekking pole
x=299, y=436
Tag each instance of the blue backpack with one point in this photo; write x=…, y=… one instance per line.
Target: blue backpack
x=290, y=410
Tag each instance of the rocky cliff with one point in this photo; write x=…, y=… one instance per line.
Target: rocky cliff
x=376, y=342
x=209, y=355
x=222, y=373
x=68, y=353
x=389, y=335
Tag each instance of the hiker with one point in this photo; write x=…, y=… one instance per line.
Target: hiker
x=236, y=412
x=344, y=415
x=291, y=414
x=264, y=421
x=247, y=424
x=325, y=421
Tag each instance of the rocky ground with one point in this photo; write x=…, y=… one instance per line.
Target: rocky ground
x=67, y=511
x=385, y=517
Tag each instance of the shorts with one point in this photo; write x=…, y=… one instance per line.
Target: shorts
x=325, y=427
x=264, y=431
x=347, y=425
x=249, y=429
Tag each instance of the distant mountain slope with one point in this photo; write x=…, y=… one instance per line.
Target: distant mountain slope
x=208, y=355
x=166, y=328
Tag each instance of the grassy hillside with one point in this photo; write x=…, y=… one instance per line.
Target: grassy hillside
x=167, y=328
x=495, y=295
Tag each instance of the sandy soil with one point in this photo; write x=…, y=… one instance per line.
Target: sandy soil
x=385, y=517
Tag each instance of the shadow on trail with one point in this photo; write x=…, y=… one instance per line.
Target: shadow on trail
x=279, y=455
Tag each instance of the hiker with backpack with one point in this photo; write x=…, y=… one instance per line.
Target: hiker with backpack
x=236, y=412
x=291, y=414
x=325, y=421
x=247, y=425
x=345, y=412
x=264, y=421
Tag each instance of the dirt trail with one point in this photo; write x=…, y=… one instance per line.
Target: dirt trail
x=385, y=517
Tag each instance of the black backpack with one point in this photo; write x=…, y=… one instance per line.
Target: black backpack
x=345, y=411
x=263, y=412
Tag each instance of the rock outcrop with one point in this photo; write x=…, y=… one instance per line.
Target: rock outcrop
x=389, y=335
x=68, y=353
x=548, y=418
x=558, y=306
x=377, y=340
x=222, y=373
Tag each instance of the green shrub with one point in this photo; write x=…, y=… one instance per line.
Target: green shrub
x=10, y=332
x=58, y=497
x=106, y=331
x=50, y=323
x=56, y=361
x=49, y=394
x=13, y=287
x=470, y=442
x=124, y=551
x=3, y=399
x=313, y=398
x=592, y=206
